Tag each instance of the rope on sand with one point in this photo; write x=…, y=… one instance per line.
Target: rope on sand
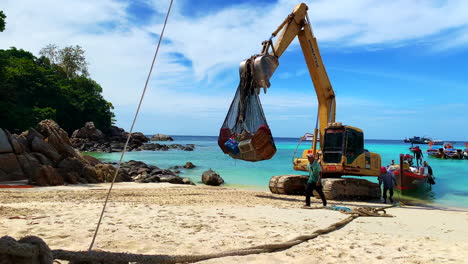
x=34, y=250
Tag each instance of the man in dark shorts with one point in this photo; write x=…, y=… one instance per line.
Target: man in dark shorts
x=314, y=182
x=418, y=155
x=388, y=180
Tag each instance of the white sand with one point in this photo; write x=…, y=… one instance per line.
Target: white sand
x=178, y=219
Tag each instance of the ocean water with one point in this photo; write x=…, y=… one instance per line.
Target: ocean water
x=450, y=190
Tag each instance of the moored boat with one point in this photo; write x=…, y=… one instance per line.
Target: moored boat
x=410, y=178
x=417, y=140
x=435, y=152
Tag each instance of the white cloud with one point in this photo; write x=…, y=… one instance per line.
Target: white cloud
x=120, y=52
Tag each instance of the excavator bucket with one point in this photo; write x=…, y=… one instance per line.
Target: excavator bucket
x=264, y=67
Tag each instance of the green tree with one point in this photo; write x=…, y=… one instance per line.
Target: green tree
x=71, y=59
x=32, y=89
x=2, y=21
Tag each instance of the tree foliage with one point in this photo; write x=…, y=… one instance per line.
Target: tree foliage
x=32, y=89
x=71, y=59
x=2, y=21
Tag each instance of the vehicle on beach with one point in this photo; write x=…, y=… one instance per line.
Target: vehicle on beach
x=418, y=140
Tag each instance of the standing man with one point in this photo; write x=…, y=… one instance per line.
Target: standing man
x=314, y=182
x=418, y=155
x=388, y=180
x=430, y=178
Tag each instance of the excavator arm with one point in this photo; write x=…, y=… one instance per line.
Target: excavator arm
x=342, y=147
x=298, y=24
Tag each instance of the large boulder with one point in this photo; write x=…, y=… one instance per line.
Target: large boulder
x=161, y=137
x=171, y=179
x=48, y=176
x=5, y=146
x=189, y=165
x=210, y=177
x=91, y=160
x=138, y=137
x=106, y=172
x=39, y=145
x=88, y=131
x=10, y=167
x=18, y=143
x=30, y=165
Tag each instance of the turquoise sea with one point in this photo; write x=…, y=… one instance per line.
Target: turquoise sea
x=450, y=190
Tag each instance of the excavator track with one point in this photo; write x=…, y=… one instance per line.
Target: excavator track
x=333, y=188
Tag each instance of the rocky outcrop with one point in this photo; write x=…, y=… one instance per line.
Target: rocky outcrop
x=189, y=165
x=88, y=131
x=144, y=173
x=44, y=156
x=163, y=147
x=161, y=137
x=210, y=177
x=91, y=139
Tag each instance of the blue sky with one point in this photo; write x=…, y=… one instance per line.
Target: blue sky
x=399, y=68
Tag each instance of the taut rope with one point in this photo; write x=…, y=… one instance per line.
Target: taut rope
x=131, y=129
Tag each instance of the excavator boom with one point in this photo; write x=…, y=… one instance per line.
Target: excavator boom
x=342, y=149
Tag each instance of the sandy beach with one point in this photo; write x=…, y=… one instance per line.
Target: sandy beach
x=179, y=219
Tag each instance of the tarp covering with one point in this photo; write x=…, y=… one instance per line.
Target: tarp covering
x=245, y=134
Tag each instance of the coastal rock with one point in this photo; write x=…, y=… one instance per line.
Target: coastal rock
x=106, y=172
x=88, y=131
x=5, y=146
x=210, y=177
x=91, y=139
x=30, y=166
x=91, y=175
x=161, y=137
x=19, y=146
x=188, y=181
x=91, y=160
x=70, y=165
x=189, y=165
x=138, y=137
x=10, y=167
x=48, y=176
x=41, y=158
x=72, y=177
x=31, y=134
x=171, y=179
x=39, y=145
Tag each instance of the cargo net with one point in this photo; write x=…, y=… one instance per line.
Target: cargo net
x=245, y=134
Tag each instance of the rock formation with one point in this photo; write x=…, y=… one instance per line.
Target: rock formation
x=161, y=137
x=91, y=139
x=210, y=177
x=44, y=156
x=144, y=173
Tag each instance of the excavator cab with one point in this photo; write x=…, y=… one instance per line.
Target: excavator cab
x=342, y=152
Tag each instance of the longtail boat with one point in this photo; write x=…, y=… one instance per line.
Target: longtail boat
x=409, y=178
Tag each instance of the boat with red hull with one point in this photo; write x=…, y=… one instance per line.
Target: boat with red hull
x=410, y=181
x=410, y=178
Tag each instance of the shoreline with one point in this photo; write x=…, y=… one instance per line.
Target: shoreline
x=182, y=219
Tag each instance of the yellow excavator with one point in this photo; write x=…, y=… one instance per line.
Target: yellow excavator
x=341, y=150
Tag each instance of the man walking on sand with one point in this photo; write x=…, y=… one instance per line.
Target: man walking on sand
x=388, y=180
x=314, y=182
